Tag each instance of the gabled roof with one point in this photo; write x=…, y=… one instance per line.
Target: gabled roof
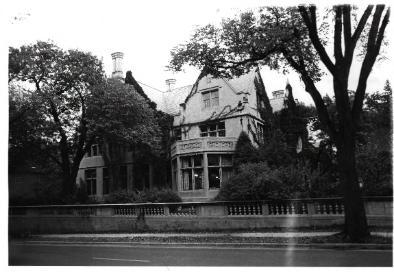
x=170, y=101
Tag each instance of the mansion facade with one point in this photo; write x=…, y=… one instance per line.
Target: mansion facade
x=208, y=118
x=206, y=129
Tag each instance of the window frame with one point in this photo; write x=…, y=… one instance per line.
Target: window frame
x=91, y=181
x=192, y=168
x=219, y=166
x=205, y=129
x=93, y=151
x=210, y=98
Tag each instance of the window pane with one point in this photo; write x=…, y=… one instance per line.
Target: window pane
x=213, y=160
x=203, y=131
x=198, y=179
x=187, y=180
x=212, y=134
x=90, y=173
x=186, y=162
x=206, y=100
x=215, y=101
x=212, y=127
x=227, y=160
x=197, y=161
x=222, y=133
x=215, y=94
x=221, y=125
x=214, y=178
x=93, y=187
x=89, y=187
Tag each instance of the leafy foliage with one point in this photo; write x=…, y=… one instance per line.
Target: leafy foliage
x=117, y=113
x=258, y=181
x=244, y=150
x=154, y=196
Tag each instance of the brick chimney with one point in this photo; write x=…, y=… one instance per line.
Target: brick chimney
x=117, y=61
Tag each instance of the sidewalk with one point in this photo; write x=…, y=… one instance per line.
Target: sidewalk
x=199, y=235
x=324, y=239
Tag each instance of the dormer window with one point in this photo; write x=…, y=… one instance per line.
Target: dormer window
x=210, y=98
x=94, y=151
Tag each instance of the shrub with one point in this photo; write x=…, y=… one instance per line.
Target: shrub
x=153, y=196
x=244, y=150
x=254, y=181
x=257, y=181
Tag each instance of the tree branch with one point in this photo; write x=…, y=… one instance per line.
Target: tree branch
x=347, y=27
x=310, y=23
x=315, y=94
x=338, y=36
x=361, y=24
x=373, y=49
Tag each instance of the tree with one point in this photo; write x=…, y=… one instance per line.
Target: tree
x=244, y=150
x=59, y=81
x=288, y=38
x=120, y=118
x=374, y=148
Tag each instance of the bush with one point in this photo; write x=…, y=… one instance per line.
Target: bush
x=257, y=181
x=254, y=181
x=153, y=196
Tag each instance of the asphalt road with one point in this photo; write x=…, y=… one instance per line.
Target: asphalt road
x=126, y=255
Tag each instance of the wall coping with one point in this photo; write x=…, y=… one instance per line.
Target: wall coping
x=207, y=203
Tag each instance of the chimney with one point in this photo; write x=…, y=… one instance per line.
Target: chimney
x=170, y=83
x=117, y=60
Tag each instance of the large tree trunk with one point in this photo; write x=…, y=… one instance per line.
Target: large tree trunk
x=356, y=227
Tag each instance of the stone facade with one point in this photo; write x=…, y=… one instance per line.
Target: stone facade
x=206, y=130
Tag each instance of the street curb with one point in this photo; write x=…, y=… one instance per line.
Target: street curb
x=194, y=244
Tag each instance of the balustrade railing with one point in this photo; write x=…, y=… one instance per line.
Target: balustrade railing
x=306, y=207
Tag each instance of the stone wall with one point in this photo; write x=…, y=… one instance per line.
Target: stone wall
x=203, y=216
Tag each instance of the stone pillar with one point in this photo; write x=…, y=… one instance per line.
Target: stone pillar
x=179, y=174
x=206, y=179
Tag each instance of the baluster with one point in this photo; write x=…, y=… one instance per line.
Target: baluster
x=248, y=210
x=329, y=208
x=292, y=208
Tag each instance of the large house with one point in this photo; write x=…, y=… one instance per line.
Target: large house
x=208, y=119
x=206, y=128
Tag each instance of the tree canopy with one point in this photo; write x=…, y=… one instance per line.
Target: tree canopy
x=61, y=100
x=296, y=38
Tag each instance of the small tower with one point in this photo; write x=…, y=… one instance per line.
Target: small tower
x=117, y=60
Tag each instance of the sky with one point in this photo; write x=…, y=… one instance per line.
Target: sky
x=146, y=31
